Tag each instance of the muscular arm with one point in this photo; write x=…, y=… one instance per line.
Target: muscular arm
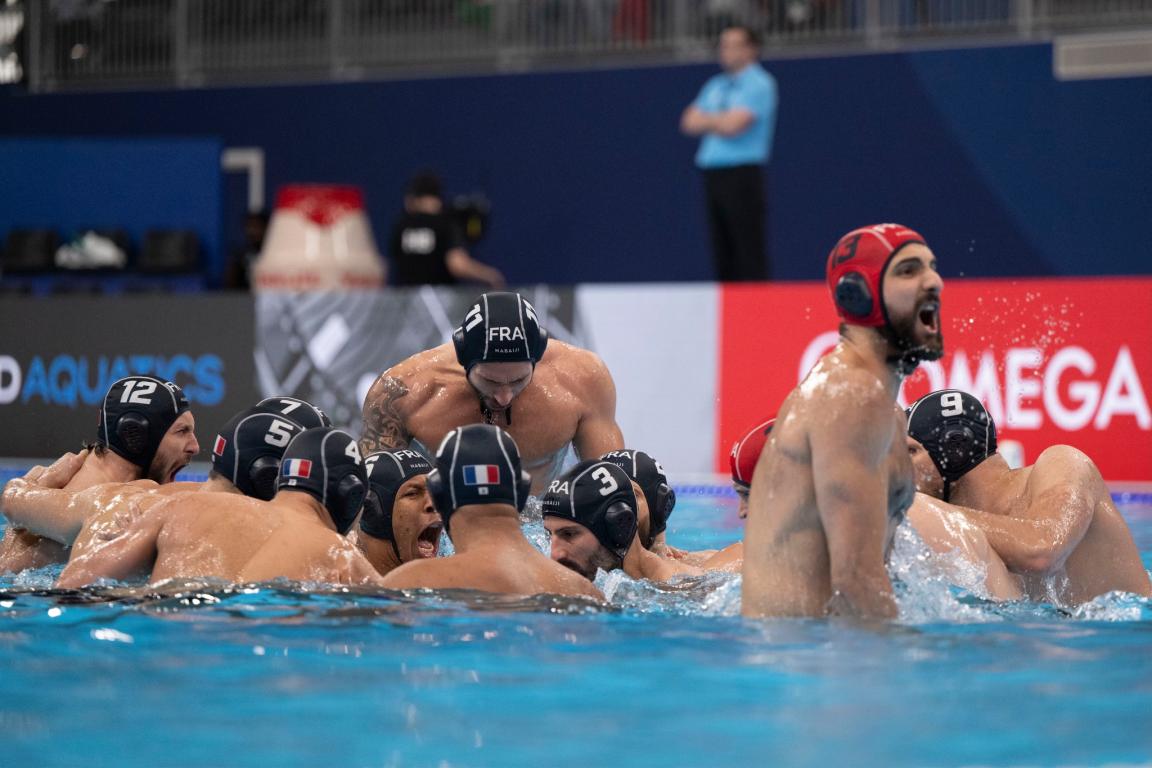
x=732, y=122
x=37, y=503
x=384, y=421
x=597, y=433
x=1063, y=491
x=850, y=451
x=120, y=558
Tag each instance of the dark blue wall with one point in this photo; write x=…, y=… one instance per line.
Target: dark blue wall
x=1004, y=169
x=74, y=185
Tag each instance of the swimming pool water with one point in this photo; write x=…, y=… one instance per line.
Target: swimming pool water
x=274, y=676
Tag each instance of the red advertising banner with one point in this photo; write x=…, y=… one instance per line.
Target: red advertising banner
x=1054, y=360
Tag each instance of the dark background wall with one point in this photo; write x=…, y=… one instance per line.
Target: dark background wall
x=1006, y=170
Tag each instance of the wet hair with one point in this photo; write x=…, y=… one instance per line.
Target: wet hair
x=98, y=447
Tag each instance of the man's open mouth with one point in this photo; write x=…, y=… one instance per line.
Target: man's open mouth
x=929, y=315
x=428, y=542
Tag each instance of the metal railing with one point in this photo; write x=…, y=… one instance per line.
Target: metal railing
x=188, y=43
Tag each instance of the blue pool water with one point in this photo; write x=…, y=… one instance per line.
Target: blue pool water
x=276, y=677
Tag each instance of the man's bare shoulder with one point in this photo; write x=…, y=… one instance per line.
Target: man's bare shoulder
x=419, y=373
x=575, y=584
x=839, y=398
x=1062, y=465
x=414, y=575
x=570, y=358
x=206, y=506
x=578, y=370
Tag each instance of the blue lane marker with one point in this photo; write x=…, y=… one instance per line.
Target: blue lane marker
x=1126, y=498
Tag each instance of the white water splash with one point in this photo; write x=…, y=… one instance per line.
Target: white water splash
x=929, y=585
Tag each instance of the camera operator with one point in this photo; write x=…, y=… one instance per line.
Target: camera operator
x=427, y=247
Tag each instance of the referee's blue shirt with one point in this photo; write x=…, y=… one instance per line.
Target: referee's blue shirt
x=753, y=89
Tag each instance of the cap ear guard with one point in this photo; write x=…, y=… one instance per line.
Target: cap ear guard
x=133, y=429
x=853, y=296
x=658, y=517
x=262, y=474
x=620, y=526
x=345, y=508
x=955, y=445
x=460, y=343
x=537, y=347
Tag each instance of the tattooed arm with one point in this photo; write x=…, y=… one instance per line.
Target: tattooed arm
x=384, y=419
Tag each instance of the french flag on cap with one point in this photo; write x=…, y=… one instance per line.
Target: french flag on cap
x=296, y=468
x=481, y=474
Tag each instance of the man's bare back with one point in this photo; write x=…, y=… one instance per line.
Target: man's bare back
x=298, y=535
x=501, y=370
x=225, y=537
x=492, y=555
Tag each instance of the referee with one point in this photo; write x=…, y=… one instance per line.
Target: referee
x=735, y=116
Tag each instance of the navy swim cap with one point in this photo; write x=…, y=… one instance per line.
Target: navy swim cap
x=248, y=450
x=477, y=464
x=300, y=411
x=500, y=328
x=387, y=471
x=598, y=495
x=955, y=429
x=137, y=413
x=325, y=463
x=649, y=475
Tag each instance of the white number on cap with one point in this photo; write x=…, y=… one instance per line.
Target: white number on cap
x=279, y=434
x=290, y=405
x=605, y=477
x=353, y=452
x=138, y=392
x=953, y=404
x=473, y=318
x=370, y=463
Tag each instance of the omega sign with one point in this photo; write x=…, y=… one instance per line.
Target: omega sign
x=1071, y=388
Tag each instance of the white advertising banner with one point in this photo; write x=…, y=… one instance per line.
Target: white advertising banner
x=660, y=343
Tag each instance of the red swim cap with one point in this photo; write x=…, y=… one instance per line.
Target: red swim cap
x=746, y=452
x=856, y=271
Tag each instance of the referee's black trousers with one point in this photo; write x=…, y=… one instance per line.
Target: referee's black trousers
x=736, y=215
